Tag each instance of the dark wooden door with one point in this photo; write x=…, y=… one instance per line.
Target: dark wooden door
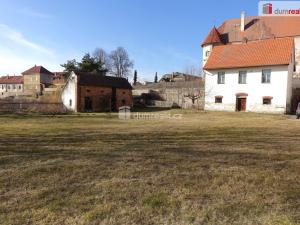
x=114, y=100
x=88, y=104
x=241, y=104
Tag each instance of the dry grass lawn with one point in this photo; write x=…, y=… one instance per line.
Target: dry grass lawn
x=207, y=168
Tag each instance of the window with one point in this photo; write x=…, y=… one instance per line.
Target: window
x=267, y=100
x=266, y=76
x=218, y=99
x=70, y=102
x=207, y=53
x=242, y=77
x=20, y=87
x=221, y=78
x=124, y=92
x=14, y=86
x=8, y=86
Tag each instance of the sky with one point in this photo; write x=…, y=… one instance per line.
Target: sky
x=160, y=35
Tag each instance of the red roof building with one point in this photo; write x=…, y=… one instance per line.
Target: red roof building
x=213, y=37
x=253, y=54
x=11, y=80
x=37, y=70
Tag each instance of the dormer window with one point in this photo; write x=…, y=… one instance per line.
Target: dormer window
x=207, y=53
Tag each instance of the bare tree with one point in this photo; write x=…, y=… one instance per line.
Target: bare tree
x=192, y=70
x=194, y=90
x=120, y=63
x=102, y=57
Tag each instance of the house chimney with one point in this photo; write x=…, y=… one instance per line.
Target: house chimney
x=243, y=15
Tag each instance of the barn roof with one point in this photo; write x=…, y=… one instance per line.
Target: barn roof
x=88, y=79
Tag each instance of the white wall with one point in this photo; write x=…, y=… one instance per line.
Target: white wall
x=254, y=88
x=204, y=57
x=69, y=92
x=297, y=53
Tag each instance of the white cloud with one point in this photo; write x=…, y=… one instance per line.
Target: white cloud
x=32, y=13
x=18, y=38
x=14, y=63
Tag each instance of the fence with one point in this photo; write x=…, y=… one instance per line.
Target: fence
x=13, y=106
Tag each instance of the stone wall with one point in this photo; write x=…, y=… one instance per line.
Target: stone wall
x=189, y=94
x=32, y=83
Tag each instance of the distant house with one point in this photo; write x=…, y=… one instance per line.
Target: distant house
x=59, y=78
x=11, y=85
x=36, y=79
x=176, y=76
x=85, y=92
x=253, y=64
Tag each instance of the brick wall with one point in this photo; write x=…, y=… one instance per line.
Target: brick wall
x=124, y=98
x=101, y=98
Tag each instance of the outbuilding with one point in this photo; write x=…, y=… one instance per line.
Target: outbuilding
x=87, y=92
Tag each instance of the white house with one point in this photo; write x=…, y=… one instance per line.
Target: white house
x=252, y=64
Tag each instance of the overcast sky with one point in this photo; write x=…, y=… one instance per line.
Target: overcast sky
x=160, y=35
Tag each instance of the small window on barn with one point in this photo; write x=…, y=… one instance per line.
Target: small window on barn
x=221, y=77
x=70, y=102
x=218, y=99
x=267, y=100
x=88, y=90
x=124, y=92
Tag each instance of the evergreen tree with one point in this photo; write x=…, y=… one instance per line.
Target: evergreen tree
x=155, y=78
x=135, y=77
x=88, y=64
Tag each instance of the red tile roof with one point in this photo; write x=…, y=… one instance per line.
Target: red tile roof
x=252, y=54
x=11, y=80
x=37, y=69
x=259, y=28
x=212, y=38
